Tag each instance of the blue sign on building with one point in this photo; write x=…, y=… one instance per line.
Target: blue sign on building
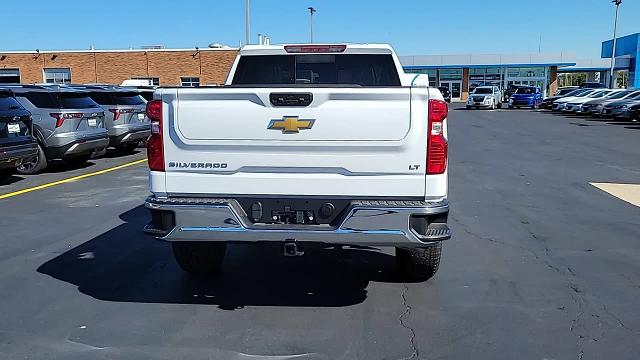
x=626, y=47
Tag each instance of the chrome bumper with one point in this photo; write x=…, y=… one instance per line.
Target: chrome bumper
x=373, y=223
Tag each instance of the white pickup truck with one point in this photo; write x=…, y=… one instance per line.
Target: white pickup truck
x=326, y=144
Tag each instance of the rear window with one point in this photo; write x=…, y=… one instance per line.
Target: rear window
x=147, y=95
x=321, y=69
x=75, y=101
x=8, y=102
x=41, y=99
x=102, y=98
x=620, y=94
x=128, y=99
x=568, y=91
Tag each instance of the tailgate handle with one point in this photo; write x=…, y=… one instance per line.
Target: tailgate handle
x=291, y=99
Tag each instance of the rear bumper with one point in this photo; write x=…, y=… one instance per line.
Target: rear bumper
x=131, y=136
x=79, y=147
x=14, y=155
x=374, y=223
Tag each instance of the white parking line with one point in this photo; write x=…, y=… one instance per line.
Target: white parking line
x=626, y=192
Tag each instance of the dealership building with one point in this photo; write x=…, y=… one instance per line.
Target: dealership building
x=210, y=66
x=548, y=71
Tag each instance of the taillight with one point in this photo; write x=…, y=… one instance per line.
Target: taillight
x=155, y=150
x=117, y=112
x=436, y=142
x=61, y=117
x=315, y=48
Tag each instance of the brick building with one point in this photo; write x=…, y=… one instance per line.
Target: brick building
x=164, y=66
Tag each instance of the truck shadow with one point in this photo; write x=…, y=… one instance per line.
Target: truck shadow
x=125, y=265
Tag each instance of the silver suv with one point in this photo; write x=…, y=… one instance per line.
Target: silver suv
x=67, y=124
x=485, y=97
x=125, y=117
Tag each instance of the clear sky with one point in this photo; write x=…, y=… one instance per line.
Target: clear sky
x=411, y=26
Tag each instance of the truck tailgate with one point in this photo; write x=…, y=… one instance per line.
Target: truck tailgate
x=345, y=141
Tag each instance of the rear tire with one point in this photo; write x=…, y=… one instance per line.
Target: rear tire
x=419, y=264
x=34, y=166
x=199, y=257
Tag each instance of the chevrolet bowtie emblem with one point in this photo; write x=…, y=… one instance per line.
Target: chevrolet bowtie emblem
x=291, y=124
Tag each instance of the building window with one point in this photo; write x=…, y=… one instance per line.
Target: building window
x=450, y=74
x=155, y=81
x=57, y=76
x=9, y=76
x=190, y=81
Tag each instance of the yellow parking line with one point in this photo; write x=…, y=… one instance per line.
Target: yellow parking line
x=64, y=181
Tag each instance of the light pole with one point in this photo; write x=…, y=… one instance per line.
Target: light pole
x=613, y=50
x=311, y=12
x=247, y=15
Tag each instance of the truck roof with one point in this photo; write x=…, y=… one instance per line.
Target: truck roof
x=284, y=49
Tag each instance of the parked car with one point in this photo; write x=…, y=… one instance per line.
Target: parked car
x=559, y=105
x=604, y=108
x=446, y=93
x=125, y=117
x=67, y=125
x=610, y=107
x=575, y=106
x=17, y=144
x=592, y=85
x=621, y=107
x=510, y=90
x=591, y=106
x=529, y=96
x=485, y=97
x=634, y=112
x=562, y=92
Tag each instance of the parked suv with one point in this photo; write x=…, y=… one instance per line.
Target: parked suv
x=67, y=125
x=125, y=117
x=17, y=144
x=485, y=97
x=526, y=96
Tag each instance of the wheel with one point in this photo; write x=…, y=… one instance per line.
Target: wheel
x=510, y=106
x=493, y=105
x=77, y=161
x=199, y=257
x=534, y=106
x=499, y=105
x=127, y=148
x=419, y=264
x=36, y=164
x=468, y=107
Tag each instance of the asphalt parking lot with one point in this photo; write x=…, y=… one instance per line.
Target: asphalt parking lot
x=542, y=265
